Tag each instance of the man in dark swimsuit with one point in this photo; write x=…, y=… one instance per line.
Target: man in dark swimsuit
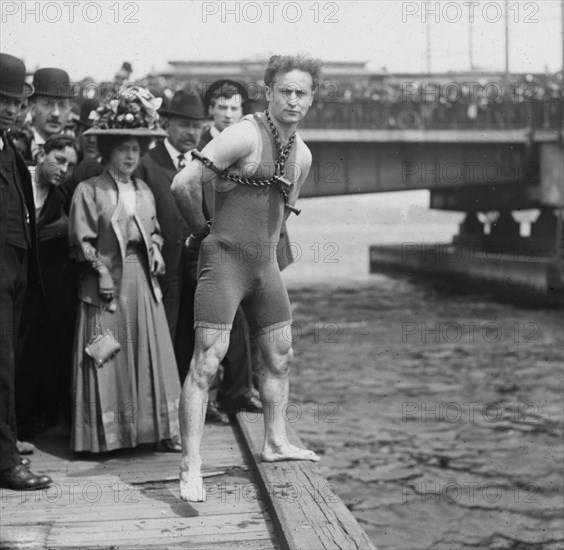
x=268, y=163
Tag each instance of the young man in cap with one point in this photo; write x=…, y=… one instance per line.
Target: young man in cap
x=258, y=167
x=224, y=100
x=50, y=107
x=17, y=248
x=184, y=122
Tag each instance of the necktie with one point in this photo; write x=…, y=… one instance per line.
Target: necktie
x=181, y=162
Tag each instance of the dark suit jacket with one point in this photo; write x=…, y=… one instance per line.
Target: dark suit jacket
x=205, y=139
x=157, y=169
x=25, y=178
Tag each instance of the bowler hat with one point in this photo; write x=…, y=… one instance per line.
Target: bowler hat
x=52, y=82
x=12, y=77
x=185, y=105
x=222, y=84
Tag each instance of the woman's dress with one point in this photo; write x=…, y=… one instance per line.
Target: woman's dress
x=132, y=398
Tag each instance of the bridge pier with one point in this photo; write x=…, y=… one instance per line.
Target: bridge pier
x=512, y=236
x=506, y=234
x=509, y=182
x=470, y=230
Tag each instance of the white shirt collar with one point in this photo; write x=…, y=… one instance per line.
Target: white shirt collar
x=38, y=138
x=173, y=152
x=214, y=131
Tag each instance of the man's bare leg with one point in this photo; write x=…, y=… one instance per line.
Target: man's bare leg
x=274, y=388
x=211, y=347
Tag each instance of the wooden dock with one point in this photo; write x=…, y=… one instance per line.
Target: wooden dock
x=129, y=499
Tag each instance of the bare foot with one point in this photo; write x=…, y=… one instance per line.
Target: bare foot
x=287, y=452
x=192, y=484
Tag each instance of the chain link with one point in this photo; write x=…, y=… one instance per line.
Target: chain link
x=282, y=152
x=279, y=165
x=278, y=179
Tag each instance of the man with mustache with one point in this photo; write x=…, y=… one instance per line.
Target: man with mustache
x=50, y=108
x=184, y=121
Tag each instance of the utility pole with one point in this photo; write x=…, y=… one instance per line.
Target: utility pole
x=562, y=81
x=428, y=33
x=471, y=44
x=507, y=38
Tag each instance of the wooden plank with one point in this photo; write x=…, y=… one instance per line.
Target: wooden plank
x=151, y=544
x=142, y=510
x=304, y=506
x=107, y=534
x=130, y=498
x=18, y=536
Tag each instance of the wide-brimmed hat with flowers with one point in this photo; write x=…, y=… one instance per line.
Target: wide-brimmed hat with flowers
x=130, y=112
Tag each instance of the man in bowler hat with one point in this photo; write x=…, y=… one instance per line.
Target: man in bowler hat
x=50, y=107
x=17, y=250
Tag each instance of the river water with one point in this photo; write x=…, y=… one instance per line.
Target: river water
x=439, y=416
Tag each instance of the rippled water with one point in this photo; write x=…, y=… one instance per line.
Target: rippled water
x=439, y=416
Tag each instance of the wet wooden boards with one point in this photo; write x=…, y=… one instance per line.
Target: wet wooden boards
x=302, y=503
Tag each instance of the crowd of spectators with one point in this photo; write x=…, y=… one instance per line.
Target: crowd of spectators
x=387, y=101
x=87, y=341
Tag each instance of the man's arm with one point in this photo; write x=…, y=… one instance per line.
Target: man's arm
x=187, y=190
x=233, y=145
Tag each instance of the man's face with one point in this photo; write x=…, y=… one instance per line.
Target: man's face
x=226, y=111
x=9, y=111
x=24, y=109
x=290, y=96
x=89, y=146
x=184, y=133
x=55, y=165
x=50, y=114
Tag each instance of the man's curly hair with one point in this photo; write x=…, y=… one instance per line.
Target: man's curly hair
x=286, y=63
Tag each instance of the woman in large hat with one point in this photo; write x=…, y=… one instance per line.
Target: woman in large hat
x=132, y=397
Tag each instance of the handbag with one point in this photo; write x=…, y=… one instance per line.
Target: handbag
x=102, y=346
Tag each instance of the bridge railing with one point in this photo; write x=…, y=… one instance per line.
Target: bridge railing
x=434, y=116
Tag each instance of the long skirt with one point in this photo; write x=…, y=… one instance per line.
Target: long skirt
x=134, y=397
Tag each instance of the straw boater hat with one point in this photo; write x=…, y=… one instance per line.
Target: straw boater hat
x=131, y=112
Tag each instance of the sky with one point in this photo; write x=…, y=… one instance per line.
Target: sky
x=93, y=38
